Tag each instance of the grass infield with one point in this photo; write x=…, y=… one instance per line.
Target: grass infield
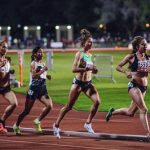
x=112, y=95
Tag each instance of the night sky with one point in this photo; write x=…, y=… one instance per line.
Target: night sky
x=116, y=15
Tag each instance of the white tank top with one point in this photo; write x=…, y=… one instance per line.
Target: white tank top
x=42, y=76
x=5, y=68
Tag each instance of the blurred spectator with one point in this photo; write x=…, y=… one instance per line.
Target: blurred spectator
x=100, y=39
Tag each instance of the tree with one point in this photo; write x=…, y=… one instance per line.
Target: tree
x=126, y=15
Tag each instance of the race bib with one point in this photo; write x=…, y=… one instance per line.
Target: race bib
x=143, y=66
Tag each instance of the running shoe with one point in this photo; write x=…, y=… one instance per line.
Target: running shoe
x=37, y=124
x=56, y=131
x=16, y=129
x=2, y=128
x=88, y=127
x=109, y=114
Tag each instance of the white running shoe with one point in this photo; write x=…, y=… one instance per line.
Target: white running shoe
x=88, y=127
x=56, y=131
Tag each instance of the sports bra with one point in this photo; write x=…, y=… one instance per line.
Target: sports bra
x=86, y=58
x=140, y=65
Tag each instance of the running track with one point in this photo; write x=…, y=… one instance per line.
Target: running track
x=73, y=122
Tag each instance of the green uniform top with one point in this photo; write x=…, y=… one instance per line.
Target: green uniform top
x=86, y=58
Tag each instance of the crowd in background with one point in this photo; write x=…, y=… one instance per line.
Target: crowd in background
x=104, y=40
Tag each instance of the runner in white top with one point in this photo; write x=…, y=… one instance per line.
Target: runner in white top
x=5, y=89
x=37, y=90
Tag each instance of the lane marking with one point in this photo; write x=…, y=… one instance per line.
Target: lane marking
x=98, y=135
x=59, y=145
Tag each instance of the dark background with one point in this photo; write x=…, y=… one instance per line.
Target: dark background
x=125, y=17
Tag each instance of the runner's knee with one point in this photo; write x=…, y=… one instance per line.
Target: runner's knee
x=96, y=103
x=49, y=107
x=14, y=105
x=130, y=114
x=68, y=108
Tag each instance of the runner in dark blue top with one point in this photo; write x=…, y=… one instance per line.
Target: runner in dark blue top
x=84, y=68
x=139, y=65
x=37, y=90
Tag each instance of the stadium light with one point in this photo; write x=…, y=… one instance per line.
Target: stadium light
x=68, y=27
x=57, y=27
x=147, y=25
x=8, y=28
x=26, y=28
x=101, y=26
x=38, y=28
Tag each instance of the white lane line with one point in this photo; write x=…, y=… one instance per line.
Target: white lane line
x=59, y=145
x=76, y=118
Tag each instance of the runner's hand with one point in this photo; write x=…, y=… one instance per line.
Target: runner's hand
x=95, y=70
x=49, y=77
x=45, y=68
x=128, y=74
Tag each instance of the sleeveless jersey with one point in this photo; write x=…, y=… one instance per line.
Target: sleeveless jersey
x=140, y=65
x=42, y=76
x=87, y=59
x=5, y=68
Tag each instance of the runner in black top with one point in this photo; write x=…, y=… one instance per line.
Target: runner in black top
x=139, y=64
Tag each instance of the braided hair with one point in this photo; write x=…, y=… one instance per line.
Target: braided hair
x=34, y=51
x=135, y=43
x=85, y=35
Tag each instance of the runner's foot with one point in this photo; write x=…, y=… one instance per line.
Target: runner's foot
x=109, y=114
x=88, y=127
x=37, y=124
x=16, y=129
x=2, y=127
x=56, y=131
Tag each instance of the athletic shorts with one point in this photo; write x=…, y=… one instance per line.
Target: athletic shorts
x=36, y=92
x=85, y=85
x=4, y=90
x=132, y=84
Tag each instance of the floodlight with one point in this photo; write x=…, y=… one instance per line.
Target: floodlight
x=68, y=27
x=57, y=27
x=26, y=28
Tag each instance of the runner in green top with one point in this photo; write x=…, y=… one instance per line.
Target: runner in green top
x=84, y=68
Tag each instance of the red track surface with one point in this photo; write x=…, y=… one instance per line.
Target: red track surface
x=73, y=121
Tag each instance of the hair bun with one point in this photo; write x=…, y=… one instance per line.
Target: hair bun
x=85, y=32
